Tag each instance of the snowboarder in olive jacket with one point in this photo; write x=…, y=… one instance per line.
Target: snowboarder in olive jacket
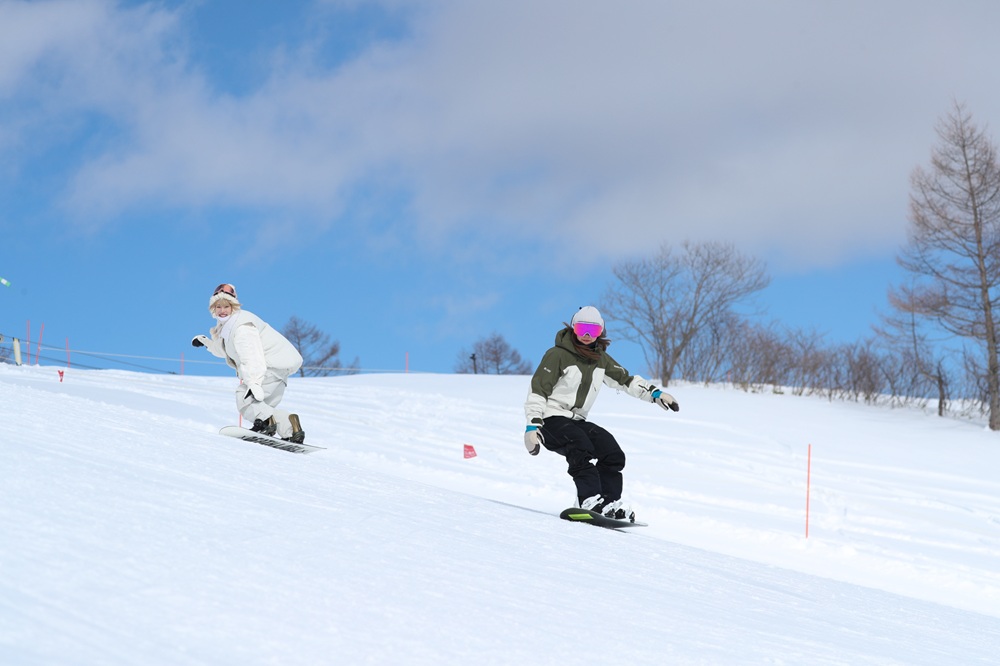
x=563, y=389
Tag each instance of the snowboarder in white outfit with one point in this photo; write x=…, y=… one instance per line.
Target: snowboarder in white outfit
x=263, y=359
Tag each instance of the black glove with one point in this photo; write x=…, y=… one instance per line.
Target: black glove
x=198, y=341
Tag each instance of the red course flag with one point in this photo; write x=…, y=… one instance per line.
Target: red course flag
x=470, y=452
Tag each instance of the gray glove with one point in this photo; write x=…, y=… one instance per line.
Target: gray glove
x=665, y=400
x=533, y=437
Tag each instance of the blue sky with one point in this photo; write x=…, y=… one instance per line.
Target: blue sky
x=413, y=176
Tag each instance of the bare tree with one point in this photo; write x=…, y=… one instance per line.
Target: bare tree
x=810, y=357
x=953, y=251
x=492, y=356
x=319, y=355
x=666, y=301
x=709, y=355
x=906, y=332
x=752, y=356
x=975, y=385
x=864, y=377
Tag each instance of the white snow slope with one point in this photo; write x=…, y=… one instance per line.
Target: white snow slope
x=133, y=533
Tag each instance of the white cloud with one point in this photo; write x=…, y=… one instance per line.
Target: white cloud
x=790, y=128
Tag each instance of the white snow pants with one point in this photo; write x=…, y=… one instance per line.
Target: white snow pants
x=274, y=389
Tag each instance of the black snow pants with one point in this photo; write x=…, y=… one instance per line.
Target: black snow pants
x=580, y=442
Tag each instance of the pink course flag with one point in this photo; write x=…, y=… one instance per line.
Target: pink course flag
x=470, y=451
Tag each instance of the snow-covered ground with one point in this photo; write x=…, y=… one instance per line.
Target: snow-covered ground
x=132, y=533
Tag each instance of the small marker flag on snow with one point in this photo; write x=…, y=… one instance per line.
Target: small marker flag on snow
x=470, y=452
x=5, y=282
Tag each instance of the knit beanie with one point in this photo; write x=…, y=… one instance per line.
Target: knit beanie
x=224, y=292
x=588, y=314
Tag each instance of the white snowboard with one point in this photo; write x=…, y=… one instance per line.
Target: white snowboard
x=274, y=442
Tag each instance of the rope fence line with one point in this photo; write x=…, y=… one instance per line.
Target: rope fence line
x=144, y=358
x=37, y=350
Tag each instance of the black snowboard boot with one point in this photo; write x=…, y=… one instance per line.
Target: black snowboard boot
x=298, y=435
x=265, y=427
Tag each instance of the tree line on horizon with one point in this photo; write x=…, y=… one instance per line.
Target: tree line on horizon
x=936, y=343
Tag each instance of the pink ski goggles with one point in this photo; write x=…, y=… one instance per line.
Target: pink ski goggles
x=582, y=328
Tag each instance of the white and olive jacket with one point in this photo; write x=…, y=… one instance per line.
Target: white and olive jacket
x=566, y=383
